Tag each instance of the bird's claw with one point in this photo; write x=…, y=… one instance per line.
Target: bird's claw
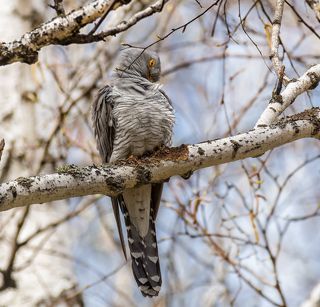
x=187, y=175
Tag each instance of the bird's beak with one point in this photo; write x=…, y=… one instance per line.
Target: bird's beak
x=154, y=75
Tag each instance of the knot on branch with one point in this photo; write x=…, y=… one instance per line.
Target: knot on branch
x=8, y=281
x=314, y=78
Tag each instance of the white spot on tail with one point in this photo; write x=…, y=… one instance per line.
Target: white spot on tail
x=136, y=255
x=143, y=280
x=151, y=292
x=130, y=240
x=153, y=259
x=155, y=278
x=144, y=288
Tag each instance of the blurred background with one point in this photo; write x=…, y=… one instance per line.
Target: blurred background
x=239, y=234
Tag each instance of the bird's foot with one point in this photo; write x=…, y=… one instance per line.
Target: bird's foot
x=187, y=175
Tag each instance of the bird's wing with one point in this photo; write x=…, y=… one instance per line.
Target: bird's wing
x=104, y=123
x=156, y=192
x=166, y=96
x=104, y=128
x=157, y=188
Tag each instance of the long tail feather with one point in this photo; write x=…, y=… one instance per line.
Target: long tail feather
x=115, y=205
x=145, y=259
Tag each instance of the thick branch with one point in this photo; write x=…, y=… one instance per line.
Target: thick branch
x=64, y=30
x=309, y=80
x=113, y=179
x=55, y=31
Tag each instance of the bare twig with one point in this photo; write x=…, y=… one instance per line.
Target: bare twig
x=2, y=143
x=182, y=28
x=301, y=19
x=58, y=7
x=95, y=28
x=121, y=27
x=8, y=280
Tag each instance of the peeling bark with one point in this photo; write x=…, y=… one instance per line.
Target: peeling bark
x=112, y=179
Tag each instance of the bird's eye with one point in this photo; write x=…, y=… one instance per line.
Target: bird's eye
x=152, y=62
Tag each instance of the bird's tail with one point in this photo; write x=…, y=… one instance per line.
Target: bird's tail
x=144, y=255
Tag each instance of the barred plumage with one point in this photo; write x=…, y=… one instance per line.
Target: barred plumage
x=133, y=116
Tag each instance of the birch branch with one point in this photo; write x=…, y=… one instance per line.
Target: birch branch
x=275, y=40
x=121, y=27
x=52, y=32
x=309, y=80
x=112, y=179
x=64, y=30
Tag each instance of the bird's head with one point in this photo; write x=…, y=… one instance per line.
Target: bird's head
x=144, y=64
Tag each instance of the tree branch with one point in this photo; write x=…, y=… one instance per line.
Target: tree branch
x=121, y=27
x=309, y=80
x=55, y=31
x=64, y=30
x=275, y=41
x=112, y=179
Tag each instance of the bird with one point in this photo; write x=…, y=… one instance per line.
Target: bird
x=133, y=116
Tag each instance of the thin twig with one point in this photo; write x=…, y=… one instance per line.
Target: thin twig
x=58, y=7
x=2, y=143
x=95, y=28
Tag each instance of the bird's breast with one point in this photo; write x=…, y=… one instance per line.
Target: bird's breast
x=143, y=125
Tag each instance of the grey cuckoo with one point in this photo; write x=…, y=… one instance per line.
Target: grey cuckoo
x=133, y=116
